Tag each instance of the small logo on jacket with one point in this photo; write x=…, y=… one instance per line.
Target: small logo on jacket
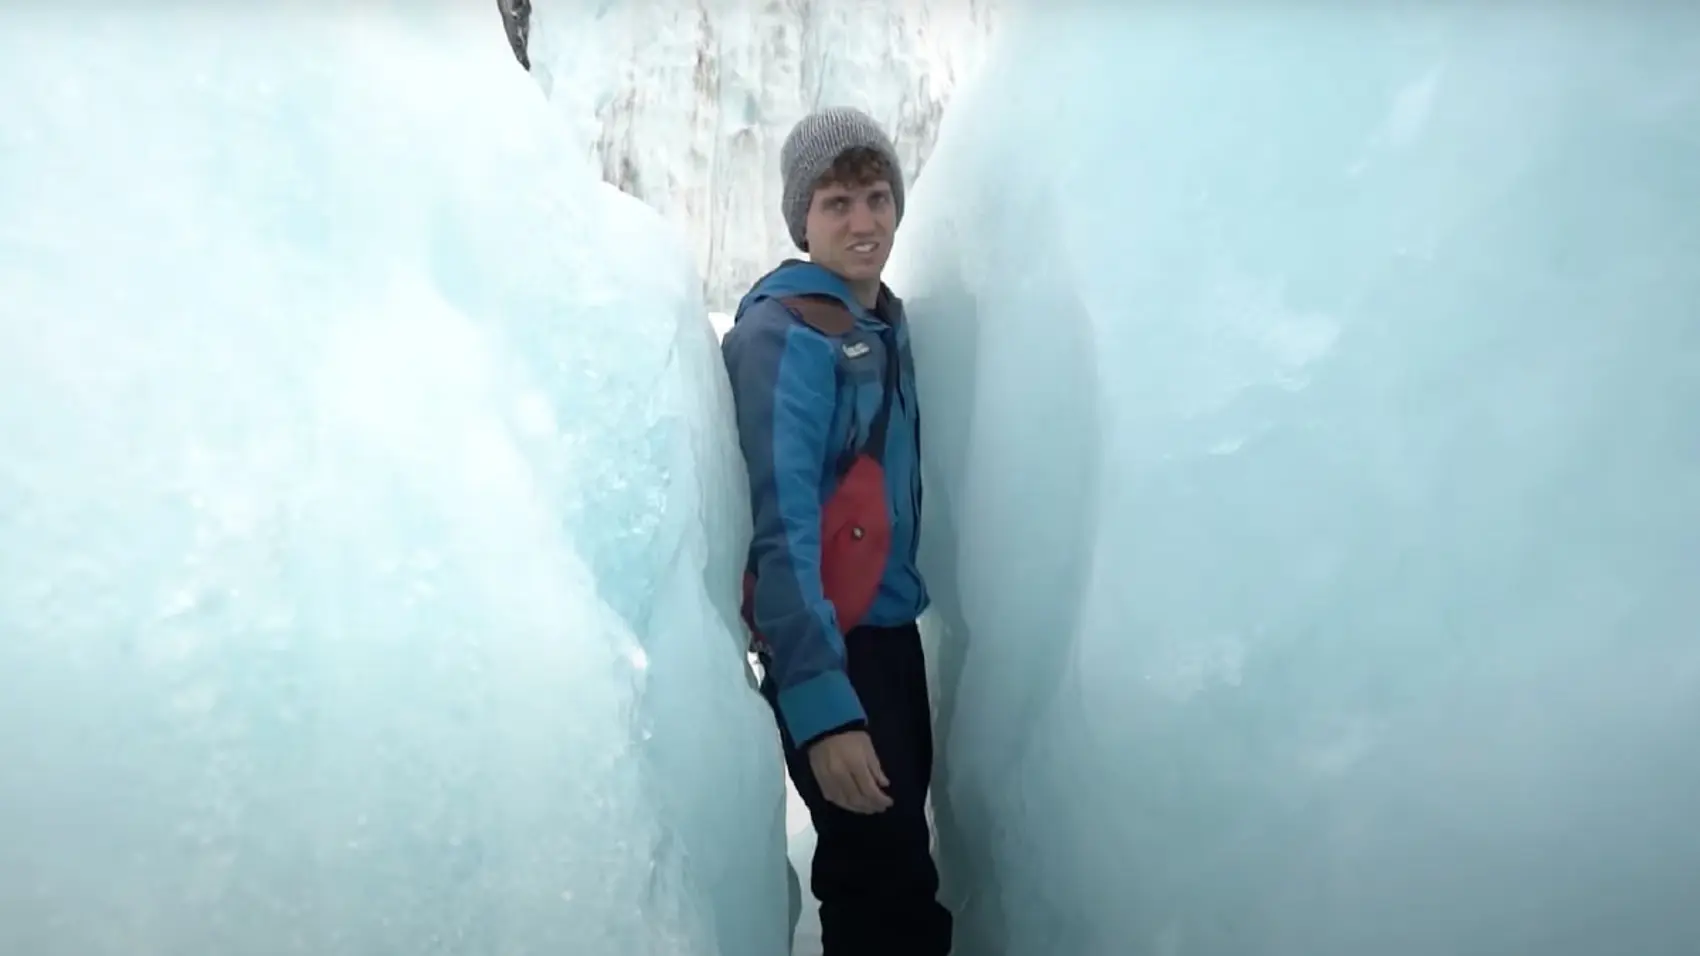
x=855, y=350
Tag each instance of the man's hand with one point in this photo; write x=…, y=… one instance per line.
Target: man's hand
x=849, y=772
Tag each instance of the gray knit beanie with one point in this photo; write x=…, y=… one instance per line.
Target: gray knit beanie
x=810, y=150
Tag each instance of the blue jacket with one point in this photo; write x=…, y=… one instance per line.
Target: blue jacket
x=795, y=388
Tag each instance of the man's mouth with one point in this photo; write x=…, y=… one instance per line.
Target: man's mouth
x=863, y=248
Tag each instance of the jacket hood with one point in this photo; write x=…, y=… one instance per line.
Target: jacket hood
x=795, y=277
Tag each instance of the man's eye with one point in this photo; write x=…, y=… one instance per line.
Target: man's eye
x=878, y=199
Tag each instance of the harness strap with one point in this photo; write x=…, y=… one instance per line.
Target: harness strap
x=831, y=318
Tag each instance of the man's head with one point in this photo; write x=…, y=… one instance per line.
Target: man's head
x=843, y=192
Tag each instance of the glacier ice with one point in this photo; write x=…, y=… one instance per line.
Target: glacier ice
x=686, y=105
x=369, y=529
x=1313, y=401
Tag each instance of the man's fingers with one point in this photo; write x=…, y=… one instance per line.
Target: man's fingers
x=879, y=772
x=874, y=780
x=849, y=773
x=844, y=788
x=868, y=787
x=856, y=799
x=839, y=788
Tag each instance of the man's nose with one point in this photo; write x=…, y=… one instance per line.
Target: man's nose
x=861, y=218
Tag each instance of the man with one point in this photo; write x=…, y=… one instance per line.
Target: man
x=824, y=385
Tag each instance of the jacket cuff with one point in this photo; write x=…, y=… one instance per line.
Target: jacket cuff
x=823, y=704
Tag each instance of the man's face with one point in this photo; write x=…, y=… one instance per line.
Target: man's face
x=850, y=227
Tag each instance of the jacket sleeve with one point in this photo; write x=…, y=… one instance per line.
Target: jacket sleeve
x=784, y=381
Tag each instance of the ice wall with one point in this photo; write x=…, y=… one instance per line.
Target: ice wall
x=368, y=532
x=1313, y=398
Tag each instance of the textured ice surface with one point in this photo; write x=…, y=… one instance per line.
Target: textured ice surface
x=686, y=105
x=367, y=530
x=1313, y=401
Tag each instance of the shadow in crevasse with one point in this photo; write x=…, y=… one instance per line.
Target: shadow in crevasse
x=1007, y=545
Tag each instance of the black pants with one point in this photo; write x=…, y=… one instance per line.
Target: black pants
x=874, y=873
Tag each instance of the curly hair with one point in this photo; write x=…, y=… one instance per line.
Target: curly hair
x=857, y=166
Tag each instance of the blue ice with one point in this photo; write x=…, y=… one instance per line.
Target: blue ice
x=369, y=524
x=1313, y=404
